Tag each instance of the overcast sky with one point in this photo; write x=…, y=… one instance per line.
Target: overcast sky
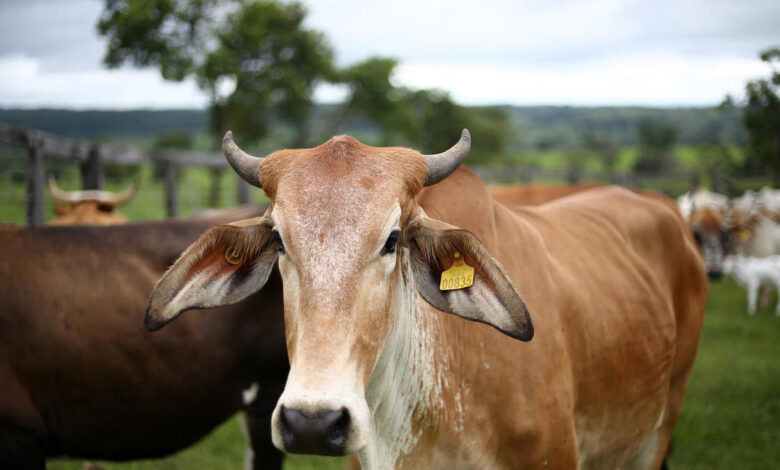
x=577, y=52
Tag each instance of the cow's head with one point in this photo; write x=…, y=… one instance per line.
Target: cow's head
x=741, y=223
x=354, y=250
x=90, y=207
x=714, y=240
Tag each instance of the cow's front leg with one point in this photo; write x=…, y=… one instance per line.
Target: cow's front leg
x=260, y=400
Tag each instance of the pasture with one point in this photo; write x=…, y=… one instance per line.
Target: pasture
x=730, y=419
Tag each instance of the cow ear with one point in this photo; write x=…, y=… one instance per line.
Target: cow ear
x=490, y=298
x=225, y=265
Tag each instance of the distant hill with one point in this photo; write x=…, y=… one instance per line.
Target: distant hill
x=93, y=124
x=534, y=126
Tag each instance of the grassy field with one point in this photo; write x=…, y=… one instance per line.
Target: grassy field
x=730, y=419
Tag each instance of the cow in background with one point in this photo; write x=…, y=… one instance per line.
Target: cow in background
x=90, y=207
x=705, y=212
x=700, y=199
x=753, y=223
x=753, y=274
x=79, y=375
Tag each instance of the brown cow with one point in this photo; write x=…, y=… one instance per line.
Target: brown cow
x=379, y=275
x=91, y=207
x=80, y=377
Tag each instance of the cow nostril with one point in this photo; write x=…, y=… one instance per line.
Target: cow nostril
x=284, y=418
x=338, y=430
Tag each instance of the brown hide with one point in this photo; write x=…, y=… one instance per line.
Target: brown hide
x=616, y=291
x=79, y=374
x=536, y=194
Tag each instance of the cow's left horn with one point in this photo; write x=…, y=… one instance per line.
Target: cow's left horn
x=247, y=166
x=442, y=164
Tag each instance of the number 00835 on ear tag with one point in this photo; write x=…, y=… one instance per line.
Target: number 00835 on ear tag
x=459, y=276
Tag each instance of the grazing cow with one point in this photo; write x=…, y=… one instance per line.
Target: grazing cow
x=90, y=207
x=752, y=274
x=535, y=194
x=81, y=377
x=379, y=275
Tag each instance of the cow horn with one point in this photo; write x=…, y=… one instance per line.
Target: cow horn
x=442, y=164
x=247, y=166
x=120, y=198
x=57, y=193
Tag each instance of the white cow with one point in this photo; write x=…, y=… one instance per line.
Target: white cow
x=752, y=273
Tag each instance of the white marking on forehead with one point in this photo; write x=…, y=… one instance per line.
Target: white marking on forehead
x=332, y=233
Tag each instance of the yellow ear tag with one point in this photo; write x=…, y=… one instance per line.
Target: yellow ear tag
x=459, y=276
x=743, y=234
x=232, y=257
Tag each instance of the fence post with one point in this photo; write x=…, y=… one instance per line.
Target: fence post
x=171, y=193
x=215, y=187
x=91, y=176
x=35, y=174
x=243, y=191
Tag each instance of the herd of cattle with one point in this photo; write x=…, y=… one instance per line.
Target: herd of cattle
x=739, y=236
x=330, y=330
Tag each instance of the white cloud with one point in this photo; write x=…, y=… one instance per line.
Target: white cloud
x=24, y=83
x=653, y=79
x=686, y=52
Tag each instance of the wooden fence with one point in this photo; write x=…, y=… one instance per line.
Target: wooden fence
x=91, y=156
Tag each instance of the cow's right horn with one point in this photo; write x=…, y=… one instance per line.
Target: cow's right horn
x=247, y=166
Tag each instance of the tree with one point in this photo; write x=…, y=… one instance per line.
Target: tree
x=373, y=95
x=655, y=146
x=762, y=119
x=602, y=145
x=261, y=47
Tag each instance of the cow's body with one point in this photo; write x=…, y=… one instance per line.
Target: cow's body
x=612, y=279
x=79, y=375
x=536, y=194
x=616, y=332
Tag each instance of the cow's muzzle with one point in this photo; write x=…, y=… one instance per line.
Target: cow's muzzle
x=323, y=433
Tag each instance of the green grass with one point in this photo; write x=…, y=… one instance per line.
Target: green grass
x=731, y=414
x=730, y=418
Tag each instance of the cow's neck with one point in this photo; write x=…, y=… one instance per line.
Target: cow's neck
x=405, y=387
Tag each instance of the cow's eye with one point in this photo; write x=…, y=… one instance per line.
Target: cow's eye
x=391, y=242
x=276, y=238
